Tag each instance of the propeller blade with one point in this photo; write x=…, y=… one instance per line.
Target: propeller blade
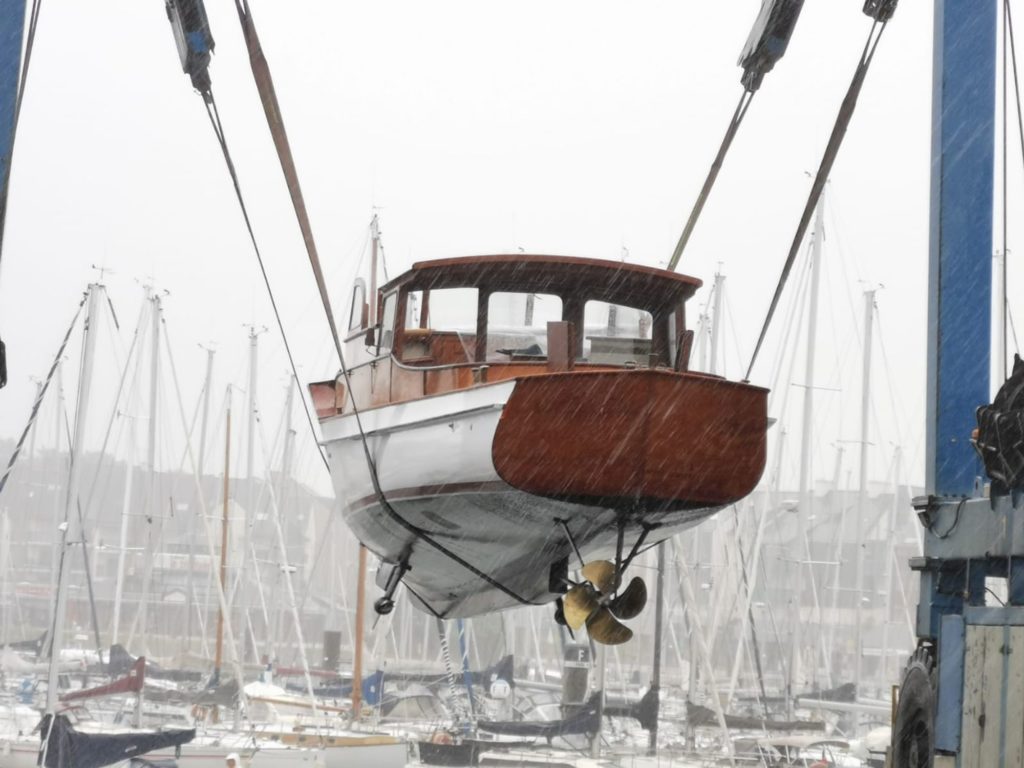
x=601, y=574
x=578, y=603
x=606, y=629
x=631, y=600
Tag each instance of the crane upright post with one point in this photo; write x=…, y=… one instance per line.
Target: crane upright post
x=960, y=251
x=12, y=31
x=955, y=682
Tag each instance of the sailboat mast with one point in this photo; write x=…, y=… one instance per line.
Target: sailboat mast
x=153, y=503
x=357, y=652
x=123, y=538
x=602, y=679
x=862, y=502
x=55, y=554
x=716, y=321
x=374, y=245
x=282, y=499
x=890, y=556
x=659, y=617
x=190, y=592
x=250, y=487
x=154, y=378
x=803, y=511
x=71, y=527
x=224, y=541
x=206, y=410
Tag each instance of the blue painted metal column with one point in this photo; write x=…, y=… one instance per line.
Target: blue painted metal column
x=960, y=258
x=12, y=29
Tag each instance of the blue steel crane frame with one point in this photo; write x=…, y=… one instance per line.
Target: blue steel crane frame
x=12, y=32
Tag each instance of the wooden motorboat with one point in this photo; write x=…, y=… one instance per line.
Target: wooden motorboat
x=507, y=418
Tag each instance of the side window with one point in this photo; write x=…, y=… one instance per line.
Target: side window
x=440, y=327
x=517, y=325
x=451, y=310
x=357, y=315
x=387, y=326
x=615, y=335
x=673, y=341
x=413, y=309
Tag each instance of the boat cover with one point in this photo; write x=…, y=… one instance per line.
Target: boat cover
x=373, y=685
x=697, y=715
x=846, y=692
x=585, y=721
x=121, y=662
x=224, y=694
x=68, y=748
x=644, y=711
x=29, y=646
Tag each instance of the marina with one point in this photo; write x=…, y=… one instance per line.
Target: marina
x=403, y=436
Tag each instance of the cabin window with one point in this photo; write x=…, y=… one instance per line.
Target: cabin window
x=673, y=340
x=414, y=310
x=517, y=325
x=357, y=315
x=440, y=326
x=614, y=334
x=387, y=326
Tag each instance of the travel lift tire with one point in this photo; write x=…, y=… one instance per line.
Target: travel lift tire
x=913, y=737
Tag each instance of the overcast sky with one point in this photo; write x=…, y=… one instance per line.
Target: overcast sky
x=571, y=127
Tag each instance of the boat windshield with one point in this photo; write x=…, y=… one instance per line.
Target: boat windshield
x=517, y=325
x=505, y=317
x=440, y=326
x=615, y=335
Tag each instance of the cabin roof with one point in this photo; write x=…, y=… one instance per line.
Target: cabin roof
x=596, y=279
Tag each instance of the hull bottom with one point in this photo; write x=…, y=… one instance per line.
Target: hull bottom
x=494, y=545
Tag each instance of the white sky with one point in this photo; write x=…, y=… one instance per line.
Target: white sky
x=571, y=127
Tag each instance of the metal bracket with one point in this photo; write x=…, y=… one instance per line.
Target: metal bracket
x=386, y=603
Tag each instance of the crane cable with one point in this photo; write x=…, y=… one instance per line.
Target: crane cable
x=218, y=129
x=275, y=122
x=709, y=182
x=824, y=169
x=40, y=395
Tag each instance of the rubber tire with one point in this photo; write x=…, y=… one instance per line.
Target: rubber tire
x=913, y=737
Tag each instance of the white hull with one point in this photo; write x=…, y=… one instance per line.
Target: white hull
x=433, y=459
x=430, y=442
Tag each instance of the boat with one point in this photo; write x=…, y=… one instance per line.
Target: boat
x=482, y=454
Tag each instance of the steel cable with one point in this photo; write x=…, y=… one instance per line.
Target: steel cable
x=39, y=397
x=824, y=169
x=218, y=129
x=709, y=182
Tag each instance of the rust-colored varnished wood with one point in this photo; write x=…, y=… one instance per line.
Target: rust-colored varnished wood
x=633, y=439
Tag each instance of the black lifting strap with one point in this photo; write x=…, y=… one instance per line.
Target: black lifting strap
x=709, y=182
x=275, y=121
x=831, y=151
